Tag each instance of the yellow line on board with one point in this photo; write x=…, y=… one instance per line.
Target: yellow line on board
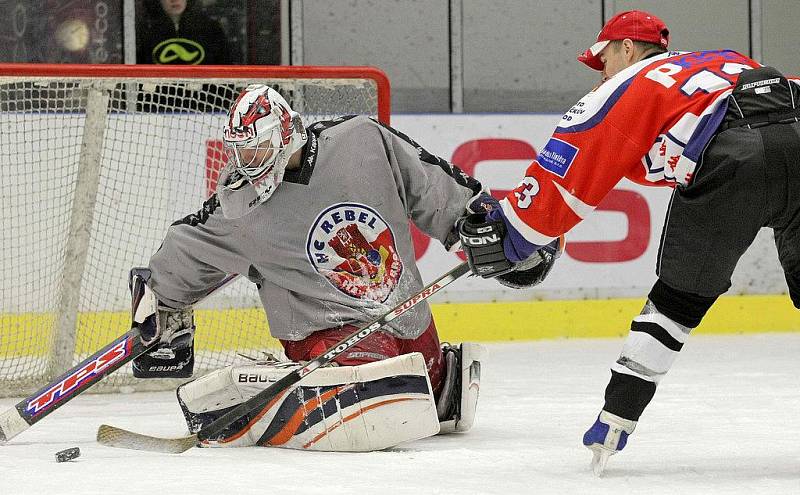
x=499, y=321
x=30, y=334
x=219, y=330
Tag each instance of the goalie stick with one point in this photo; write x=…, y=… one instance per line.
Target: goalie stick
x=112, y=436
x=74, y=381
x=66, y=387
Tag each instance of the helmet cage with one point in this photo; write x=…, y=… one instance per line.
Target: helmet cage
x=262, y=123
x=264, y=127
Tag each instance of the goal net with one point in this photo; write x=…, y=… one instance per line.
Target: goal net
x=95, y=163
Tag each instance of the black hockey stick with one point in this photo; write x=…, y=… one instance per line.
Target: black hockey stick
x=117, y=437
x=74, y=381
x=69, y=385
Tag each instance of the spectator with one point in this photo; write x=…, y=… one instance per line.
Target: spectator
x=178, y=32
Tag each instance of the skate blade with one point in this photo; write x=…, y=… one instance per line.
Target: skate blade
x=599, y=461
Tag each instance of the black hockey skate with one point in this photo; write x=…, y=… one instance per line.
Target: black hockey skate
x=459, y=396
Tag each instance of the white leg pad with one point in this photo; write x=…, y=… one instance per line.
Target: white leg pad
x=362, y=408
x=471, y=356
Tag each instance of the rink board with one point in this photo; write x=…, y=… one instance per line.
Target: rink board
x=598, y=285
x=456, y=322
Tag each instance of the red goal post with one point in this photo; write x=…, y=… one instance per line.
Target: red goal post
x=98, y=160
x=240, y=72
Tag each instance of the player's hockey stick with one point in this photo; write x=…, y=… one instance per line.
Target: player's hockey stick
x=117, y=437
x=74, y=381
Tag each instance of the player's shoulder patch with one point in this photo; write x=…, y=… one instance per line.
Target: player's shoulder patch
x=557, y=156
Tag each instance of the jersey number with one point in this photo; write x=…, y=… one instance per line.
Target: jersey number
x=525, y=196
x=705, y=80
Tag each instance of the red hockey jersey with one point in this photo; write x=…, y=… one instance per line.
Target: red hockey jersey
x=649, y=123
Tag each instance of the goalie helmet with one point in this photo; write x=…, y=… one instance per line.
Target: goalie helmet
x=260, y=136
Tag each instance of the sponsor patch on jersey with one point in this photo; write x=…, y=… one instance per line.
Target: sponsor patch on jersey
x=353, y=248
x=557, y=156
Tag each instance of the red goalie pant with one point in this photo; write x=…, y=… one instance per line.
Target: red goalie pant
x=378, y=346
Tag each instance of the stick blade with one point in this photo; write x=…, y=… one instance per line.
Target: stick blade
x=111, y=436
x=11, y=424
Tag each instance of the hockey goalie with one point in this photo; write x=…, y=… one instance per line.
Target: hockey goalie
x=317, y=218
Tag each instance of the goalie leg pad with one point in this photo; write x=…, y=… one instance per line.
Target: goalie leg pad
x=459, y=398
x=362, y=408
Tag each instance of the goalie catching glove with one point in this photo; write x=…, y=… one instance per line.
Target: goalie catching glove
x=482, y=241
x=173, y=329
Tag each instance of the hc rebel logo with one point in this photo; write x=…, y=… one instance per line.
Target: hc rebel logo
x=353, y=248
x=86, y=373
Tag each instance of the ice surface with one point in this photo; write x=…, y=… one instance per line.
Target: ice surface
x=725, y=420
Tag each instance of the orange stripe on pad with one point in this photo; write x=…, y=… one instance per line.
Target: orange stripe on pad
x=355, y=415
x=286, y=433
x=253, y=421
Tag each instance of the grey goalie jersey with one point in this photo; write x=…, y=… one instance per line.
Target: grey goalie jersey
x=332, y=245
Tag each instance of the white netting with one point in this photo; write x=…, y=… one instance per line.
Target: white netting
x=72, y=226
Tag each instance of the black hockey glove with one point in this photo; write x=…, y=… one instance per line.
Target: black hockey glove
x=534, y=270
x=173, y=329
x=482, y=242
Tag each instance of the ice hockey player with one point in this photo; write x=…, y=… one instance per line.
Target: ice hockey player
x=718, y=127
x=317, y=218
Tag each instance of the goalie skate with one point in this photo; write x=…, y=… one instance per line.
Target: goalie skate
x=459, y=397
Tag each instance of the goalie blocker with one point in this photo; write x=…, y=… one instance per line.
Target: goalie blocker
x=362, y=408
x=173, y=329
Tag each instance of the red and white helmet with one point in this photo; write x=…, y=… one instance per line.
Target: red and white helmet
x=260, y=136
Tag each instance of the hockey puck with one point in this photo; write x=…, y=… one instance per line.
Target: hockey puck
x=68, y=454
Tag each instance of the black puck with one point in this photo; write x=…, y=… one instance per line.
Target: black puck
x=68, y=454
